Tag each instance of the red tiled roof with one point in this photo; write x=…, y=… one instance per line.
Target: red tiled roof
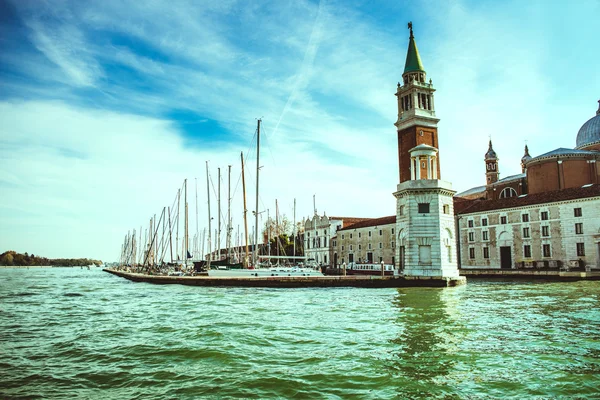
x=462, y=206
x=372, y=222
x=347, y=221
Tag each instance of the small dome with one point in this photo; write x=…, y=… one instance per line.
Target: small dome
x=590, y=131
x=491, y=154
x=525, y=157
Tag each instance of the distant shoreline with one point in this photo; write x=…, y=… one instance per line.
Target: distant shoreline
x=41, y=266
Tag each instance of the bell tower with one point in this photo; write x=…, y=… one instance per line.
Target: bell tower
x=491, y=166
x=525, y=159
x=426, y=248
x=416, y=122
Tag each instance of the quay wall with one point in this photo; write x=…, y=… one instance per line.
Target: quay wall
x=530, y=274
x=294, y=281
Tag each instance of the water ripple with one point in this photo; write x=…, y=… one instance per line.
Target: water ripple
x=87, y=334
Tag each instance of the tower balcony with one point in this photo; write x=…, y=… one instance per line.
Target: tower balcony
x=415, y=84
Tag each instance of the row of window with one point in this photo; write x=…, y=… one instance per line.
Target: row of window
x=526, y=232
x=546, y=251
x=370, y=234
x=524, y=218
x=350, y=247
x=324, y=233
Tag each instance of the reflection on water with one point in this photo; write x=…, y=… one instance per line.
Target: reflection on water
x=498, y=339
x=425, y=346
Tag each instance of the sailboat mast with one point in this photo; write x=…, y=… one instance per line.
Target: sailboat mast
x=170, y=235
x=245, y=210
x=196, y=247
x=294, y=230
x=177, y=234
x=315, y=225
x=133, y=247
x=257, y=169
x=228, y=212
x=163, y=243
x=208, y=195
x=185, y=251
x=202, y=255
x=153, y=245
x=219, y=215
x=140, y=251
x=237, y=244
x=277, y=228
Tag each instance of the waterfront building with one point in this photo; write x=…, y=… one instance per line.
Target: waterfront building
x=369, y=241
x=547, y=216
x=555, y=229
x=318, y=234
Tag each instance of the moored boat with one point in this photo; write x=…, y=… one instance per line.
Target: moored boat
x=369, y=269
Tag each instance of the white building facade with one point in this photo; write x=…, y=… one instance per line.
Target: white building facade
x=533, y=233
x=369, y=241
x=318, y=234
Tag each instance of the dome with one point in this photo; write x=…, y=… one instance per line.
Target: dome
x=590, y=131
x=491, y=154
x=526, y=157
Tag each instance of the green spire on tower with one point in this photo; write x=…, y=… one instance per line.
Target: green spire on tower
x=413, y=60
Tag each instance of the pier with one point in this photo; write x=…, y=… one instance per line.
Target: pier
x=295, y=281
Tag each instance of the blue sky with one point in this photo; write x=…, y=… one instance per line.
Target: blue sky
x=105, y=107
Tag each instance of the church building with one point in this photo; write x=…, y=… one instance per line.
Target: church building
x=546, y=217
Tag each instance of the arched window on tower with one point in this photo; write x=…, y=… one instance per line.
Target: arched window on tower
x=508, y=192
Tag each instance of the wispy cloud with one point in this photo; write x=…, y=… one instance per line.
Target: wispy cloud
x=65, y=46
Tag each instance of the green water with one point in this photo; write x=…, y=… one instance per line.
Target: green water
x=73, y=333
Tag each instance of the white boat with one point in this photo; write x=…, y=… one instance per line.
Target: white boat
x=264, y=272
x=369, y=269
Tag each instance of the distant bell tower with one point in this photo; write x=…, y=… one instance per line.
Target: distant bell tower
x=416, y=122
x=491, y=165
x=525, y=159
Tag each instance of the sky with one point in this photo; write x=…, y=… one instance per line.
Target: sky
x=107, y=106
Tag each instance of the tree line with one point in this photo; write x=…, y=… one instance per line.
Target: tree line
x=278, y=233
x=12, y=258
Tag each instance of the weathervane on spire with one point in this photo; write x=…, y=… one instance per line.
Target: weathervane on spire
x=410, y=27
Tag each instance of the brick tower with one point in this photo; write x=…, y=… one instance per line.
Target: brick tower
x=416, y=122
x=426, y=241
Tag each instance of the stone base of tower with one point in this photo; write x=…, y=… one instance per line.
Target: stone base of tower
x=426, y=242
x=435, y=281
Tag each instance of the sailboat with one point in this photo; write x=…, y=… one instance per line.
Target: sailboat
x=253, y=269
x=219, y=263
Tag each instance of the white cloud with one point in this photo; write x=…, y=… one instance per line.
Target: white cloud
x=81, y=178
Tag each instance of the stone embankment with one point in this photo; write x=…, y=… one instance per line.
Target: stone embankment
x=294, y=281
x=556, y=275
